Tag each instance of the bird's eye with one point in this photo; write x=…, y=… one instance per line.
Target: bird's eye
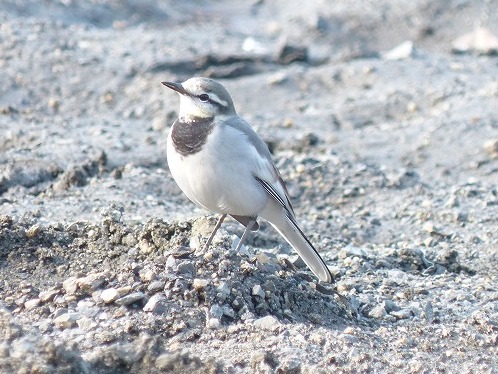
x=204, y=97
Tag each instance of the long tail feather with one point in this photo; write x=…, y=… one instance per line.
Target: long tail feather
x=280, y=214
x=290, y=231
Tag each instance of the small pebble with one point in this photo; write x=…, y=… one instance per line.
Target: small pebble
x=257, y=290
x=267, y=323
x=130, y=299
x=185, y=267
x=200, y=284
x=213, y=323
x=109, y=295
x=156, y=286
x=402, y=313
x=66, y=320
x=91, y=282
x=216, y=311
x=31, y=304
x=33, y=231
x=46, y=296
x=378, y=312
x=480, y=41
x=156, y=304
x=70, y=285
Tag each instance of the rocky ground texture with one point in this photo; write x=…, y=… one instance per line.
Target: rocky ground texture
x=383, y=121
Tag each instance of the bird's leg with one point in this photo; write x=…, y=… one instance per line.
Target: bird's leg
x=244, y=235
x=216, y=227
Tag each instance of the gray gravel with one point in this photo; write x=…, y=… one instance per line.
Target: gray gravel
x=383, y=121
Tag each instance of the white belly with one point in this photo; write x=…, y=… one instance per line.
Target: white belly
x=220, y=177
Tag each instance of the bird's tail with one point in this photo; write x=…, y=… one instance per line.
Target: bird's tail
x=286, y=225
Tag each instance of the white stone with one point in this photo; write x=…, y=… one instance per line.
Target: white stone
x=257, y=290
x=109, y=295
x=267, y=323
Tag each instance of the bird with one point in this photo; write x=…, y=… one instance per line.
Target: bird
x=223, y=166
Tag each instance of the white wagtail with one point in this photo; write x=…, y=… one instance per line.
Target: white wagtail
x=223, y=166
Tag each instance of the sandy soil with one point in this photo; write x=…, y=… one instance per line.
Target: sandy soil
x=390, y=156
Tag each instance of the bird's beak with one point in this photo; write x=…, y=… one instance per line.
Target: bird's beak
x=175, y=87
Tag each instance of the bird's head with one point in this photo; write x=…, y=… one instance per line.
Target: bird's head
x=202, y=97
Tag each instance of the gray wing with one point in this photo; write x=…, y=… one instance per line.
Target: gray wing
x=239, y=124
x=261, y=147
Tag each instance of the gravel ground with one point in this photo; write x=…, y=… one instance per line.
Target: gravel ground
x=383, y=124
